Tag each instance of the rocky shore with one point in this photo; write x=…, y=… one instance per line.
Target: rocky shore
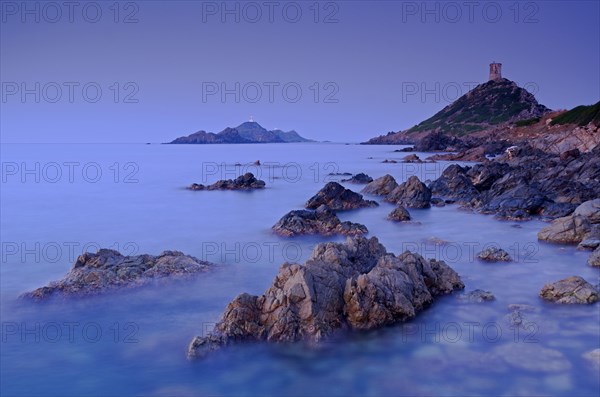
x=243, y=182
x=321, y=221
x=354, y=285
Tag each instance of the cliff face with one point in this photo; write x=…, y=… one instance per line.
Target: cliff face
x=248, y=132
x=492, y=104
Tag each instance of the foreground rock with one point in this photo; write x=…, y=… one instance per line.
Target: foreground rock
x=320, y=221
x=243, y=182
x=400, y=214
x=107, y=270
x=412, y=194
x=359, y=179
x=355, y=285
x=583, y=224
x=570, y=290
x=494, y=254
x=338, y=198
x=594, y=259
x=381, y=186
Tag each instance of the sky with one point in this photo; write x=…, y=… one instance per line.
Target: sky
x=344, y=71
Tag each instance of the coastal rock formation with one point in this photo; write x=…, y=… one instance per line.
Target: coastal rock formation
x=400, y=214
x=570, y=290
x=583, y=224
x=354, y=285
x=338, y=198
x=494, y=254
x=454, y=183
x=248, y=132
x=594, y=259
x=381, y=186
x=412, y=194
x=243, y=182
x=360, y=178
x=320, y=221
x=107, y=270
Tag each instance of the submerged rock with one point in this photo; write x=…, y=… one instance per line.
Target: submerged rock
x=494, y=254
x=477, y=296
x=359, y=179
x=356, y=285
x=533, y=357
x=412, y=194
x=320, y=221
x=107, y=269
x=570, y=290
x=400, y=214
x=338, y=198
x=243, y=182
x=381, y=186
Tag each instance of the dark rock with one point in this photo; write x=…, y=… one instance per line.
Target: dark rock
x=404, y=150
x=412, y=194
x=320, y=221
x=494, y=254
x=454, y=183
x=400, y=214
x=242, y=182
x=107, y=270
x=359, y=178
x=412, y=158
x=477, y=296
x=338, y=198
x=589, y=244
x=438, y=202
x=389, y=161
x=570, y=290
x=356, y=285
x=438, y=141
x=381, y=186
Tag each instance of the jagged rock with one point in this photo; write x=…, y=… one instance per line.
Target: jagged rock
x=381, y=186
x=412, y=194
x=107, y=270
x=400, y=214
x=359, y=179
x=477, y=296
x=454, y=183
x=356, y=285
x=594, y=259
x=243, y=182
x=338, y=198
x=320, y=221
x=583, y=224
x=570, y=290
x=494, y=254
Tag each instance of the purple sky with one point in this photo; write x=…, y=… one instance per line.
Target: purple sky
x=357, y=74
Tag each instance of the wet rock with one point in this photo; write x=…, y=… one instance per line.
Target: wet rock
x=438, y=202
x=108, y=270
x=338, y=198
x=594, y=259
x=359, y=179
x=320, y=221
x=454, y=183
x=583, y=224
x=356, y=285
x=386, y=161
x=381, y=186
x=400, y=214
x=412, y=194
x=589, y=244
x=477, y=296
x=243, y=182
x=571, y=290
x=412, y=158
x=494, y=254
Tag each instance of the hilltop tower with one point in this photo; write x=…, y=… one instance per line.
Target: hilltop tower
x=495, y=71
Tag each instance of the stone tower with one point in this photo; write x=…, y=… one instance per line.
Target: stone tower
x=495, y=71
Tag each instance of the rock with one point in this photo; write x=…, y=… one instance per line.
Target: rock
x=405, y=149
x=494, y=254
x=400, y=214
x=381, y=186
x=594, y=259
x=242, y=182
x=570, y=290
x=454, y=183
x=593, y=356
x=437, y=141
x=386, y=161
x=355, y=285
x=412, y=194
x=477, y=296
x=589, y=210
x=338, y=198
x=108, y=270
x=583, y=224
x=589, y=244
x=438, y=202
x=412, y=158
x=359, y=178
x=320, y=221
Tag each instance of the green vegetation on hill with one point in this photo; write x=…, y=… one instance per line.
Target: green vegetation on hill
x=527, y=122
x=580, y=115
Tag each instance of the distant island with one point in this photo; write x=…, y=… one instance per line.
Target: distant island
x=248, y=132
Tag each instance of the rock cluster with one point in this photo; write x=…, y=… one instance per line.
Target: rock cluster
x=355, y=285
x=107, y=269
x=338, y=198
x=412, y=194
x=582, y=224
x=320, y=221
x=243, y=182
